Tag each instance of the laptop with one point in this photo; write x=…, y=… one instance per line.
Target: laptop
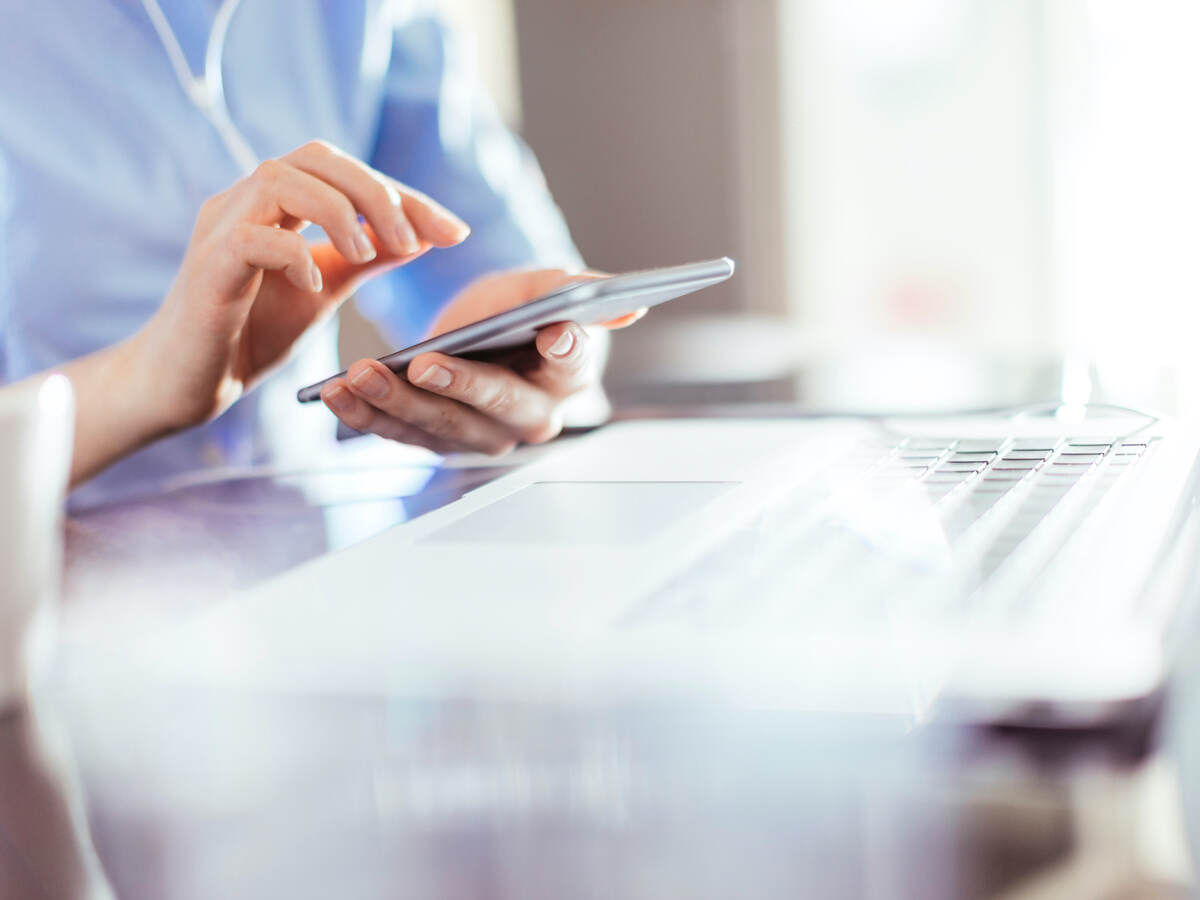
x=1029, y=568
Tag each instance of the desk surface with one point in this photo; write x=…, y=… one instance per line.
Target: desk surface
x=173, y=791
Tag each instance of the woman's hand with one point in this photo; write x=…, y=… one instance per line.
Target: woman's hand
x=250, y=285
x=248, y=289
x=448, y=404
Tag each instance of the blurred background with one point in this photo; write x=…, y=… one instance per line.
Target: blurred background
x=934, y=204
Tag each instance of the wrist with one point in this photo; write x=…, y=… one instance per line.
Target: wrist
x=117, y=410
x=142, y=387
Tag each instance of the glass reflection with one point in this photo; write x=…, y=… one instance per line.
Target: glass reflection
x=45, y=848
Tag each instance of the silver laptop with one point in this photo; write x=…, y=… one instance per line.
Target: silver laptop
x=1028, y=568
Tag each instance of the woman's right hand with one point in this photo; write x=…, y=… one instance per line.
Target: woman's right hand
x=250, y=285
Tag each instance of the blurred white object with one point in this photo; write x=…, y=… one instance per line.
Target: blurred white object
x=1009, y=567
x=36, y=430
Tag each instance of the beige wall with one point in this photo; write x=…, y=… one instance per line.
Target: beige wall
x=656, y=124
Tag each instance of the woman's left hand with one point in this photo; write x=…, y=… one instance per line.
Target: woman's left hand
x=449, y=404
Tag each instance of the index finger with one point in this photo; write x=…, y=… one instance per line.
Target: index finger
x=399, y=215
x=429, y=217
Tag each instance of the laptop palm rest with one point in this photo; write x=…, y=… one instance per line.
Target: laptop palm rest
x=583, y=512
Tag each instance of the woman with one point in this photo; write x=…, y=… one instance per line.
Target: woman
x=165, y=294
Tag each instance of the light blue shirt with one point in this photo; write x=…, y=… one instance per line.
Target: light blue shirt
x=104, y=162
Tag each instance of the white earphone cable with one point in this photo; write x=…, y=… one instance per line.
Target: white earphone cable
x=207, y=93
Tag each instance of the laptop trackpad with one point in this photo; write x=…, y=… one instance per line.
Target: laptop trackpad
x=584, y=512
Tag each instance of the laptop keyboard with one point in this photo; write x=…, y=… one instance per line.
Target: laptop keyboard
x=992, y=499
x=1023, y=480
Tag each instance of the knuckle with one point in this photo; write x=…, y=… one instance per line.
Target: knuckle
x=294, y=240
x=444, y=422
x=348, y=215
x=297, y=248
x=211, y=207
x=238, y=236
x=318, y=147
x=382, y=193
x=359, y=417
x=464, y=384
x=499, y=400
x=400, y=432
x=575, y=374
x=236, y=242
x=340, y=212
x=267, y=172
x=390, y=193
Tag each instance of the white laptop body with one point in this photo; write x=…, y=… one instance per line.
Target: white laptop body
x=780, y=563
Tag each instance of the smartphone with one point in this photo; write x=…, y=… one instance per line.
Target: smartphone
x=587, y=302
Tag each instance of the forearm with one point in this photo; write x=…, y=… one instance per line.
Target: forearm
x=115, y=413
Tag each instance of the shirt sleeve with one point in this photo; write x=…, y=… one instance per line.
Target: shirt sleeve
x=440, y=133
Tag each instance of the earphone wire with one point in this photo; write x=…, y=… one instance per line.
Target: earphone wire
x=206, y=92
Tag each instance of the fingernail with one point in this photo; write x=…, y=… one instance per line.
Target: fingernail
x=563, y=346
x=435, y=377
x=363, y=245
x=337, y=398
x=370, y=383
x=453, y=227
x=406, y=237
x=314, y=278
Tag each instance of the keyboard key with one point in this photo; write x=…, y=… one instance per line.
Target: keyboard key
x=1016, y=465
x=1079, y=454
x=962, y=466
x=1028, y=454
x=981, y=446
x=1046, y=445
